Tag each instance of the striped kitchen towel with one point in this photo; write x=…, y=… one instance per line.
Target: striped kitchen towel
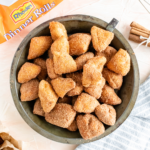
x=134, y=133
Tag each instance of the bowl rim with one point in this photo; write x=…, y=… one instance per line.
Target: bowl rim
x=43, y=132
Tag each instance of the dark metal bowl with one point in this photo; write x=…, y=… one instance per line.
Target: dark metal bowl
x=128, y=92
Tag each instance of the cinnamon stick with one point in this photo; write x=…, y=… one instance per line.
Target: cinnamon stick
x=136, y=32
x=140, y=30
x=136, y=25
x=137, y=39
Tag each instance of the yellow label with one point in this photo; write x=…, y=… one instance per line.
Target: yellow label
x=22, y=12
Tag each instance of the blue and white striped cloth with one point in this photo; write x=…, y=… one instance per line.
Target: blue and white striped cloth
x=134, y=133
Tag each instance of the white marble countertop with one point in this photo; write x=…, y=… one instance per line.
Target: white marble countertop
x=125, y=11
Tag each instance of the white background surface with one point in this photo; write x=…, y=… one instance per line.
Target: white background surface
x=125, y=11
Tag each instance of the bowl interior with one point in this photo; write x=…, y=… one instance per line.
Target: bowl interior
x=72, y=26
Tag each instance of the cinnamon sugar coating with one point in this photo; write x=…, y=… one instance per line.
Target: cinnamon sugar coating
x=62, y=85
x=82, y=59
x=109, y=96
x=64, y=63
x=108, y=53
x=89, y=126
x=73, y=126
x=96, y=90
x=42, y=63
x=115, y=80
x=120, y=62
x=70, y=82
x=29, y=90
x=85, y=103
x=47, y=96
x=61, y=45
x=50, y=69
x=77, y=77
x=38, y=46
x=62, y=115
x=27, y=72
x=57, y=30
x=92, y=71
x=79, y=43
x=106, y=114
x=38, y=110
x=101, y=38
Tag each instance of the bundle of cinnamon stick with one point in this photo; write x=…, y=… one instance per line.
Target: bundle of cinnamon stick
x=136, y=31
